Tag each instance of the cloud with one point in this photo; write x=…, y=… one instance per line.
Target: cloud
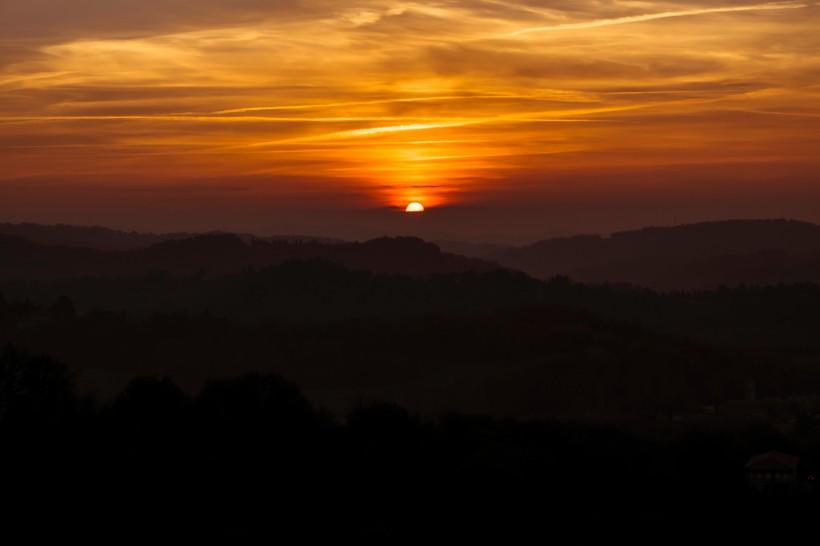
x=583, y=25
x=66, y=19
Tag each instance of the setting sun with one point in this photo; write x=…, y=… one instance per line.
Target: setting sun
x=415, y=206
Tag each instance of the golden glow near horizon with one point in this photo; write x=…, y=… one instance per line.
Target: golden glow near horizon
x=390, y=102
x=415, y=206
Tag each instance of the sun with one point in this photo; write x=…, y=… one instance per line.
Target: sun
x=415, y=206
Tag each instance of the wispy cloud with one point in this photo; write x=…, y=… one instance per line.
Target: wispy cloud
x=771, y=6
x=552, y=116
x=319, y=105
x=206, y=118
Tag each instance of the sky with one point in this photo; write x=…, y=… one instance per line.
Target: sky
x=511, y=120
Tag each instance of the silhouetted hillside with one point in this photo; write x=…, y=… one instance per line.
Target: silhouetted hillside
x=498, y=343
x=536, y=361
x=23, y=259
x=101, y=238
x=684, y=257
x=225, y=253
x=485, y=251
x=468, y=392
x=689, y=257
x=299, y=290
x=95, y=237
x=446, y=330
x=249, y=457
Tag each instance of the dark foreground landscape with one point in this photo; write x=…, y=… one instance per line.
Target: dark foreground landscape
x=224, y=386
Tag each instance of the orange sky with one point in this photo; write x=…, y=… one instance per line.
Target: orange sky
x=510, y=120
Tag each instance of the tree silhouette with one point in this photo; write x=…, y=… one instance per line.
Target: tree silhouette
x=150, y=403
x=261, y=402
x=34, y=391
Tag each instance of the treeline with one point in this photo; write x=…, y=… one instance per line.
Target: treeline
x=535, y=361
x=496, y=341
x=298, y=290
x=695, y=256
x=250, y=457
x=778, y=320
x=220, y=254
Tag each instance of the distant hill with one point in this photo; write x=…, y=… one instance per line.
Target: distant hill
x=687, y=257
x=473, y=250
x=102, y=238
x=95, y=237
x=223, y=254
x=526, y=362
x=695, y=256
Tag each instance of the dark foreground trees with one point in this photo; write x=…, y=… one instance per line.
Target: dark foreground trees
x=251, y=458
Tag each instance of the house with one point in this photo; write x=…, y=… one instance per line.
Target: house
x=773, y=473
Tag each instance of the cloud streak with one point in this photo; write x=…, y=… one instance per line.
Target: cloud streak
x=322, y=105
x=584, y=25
